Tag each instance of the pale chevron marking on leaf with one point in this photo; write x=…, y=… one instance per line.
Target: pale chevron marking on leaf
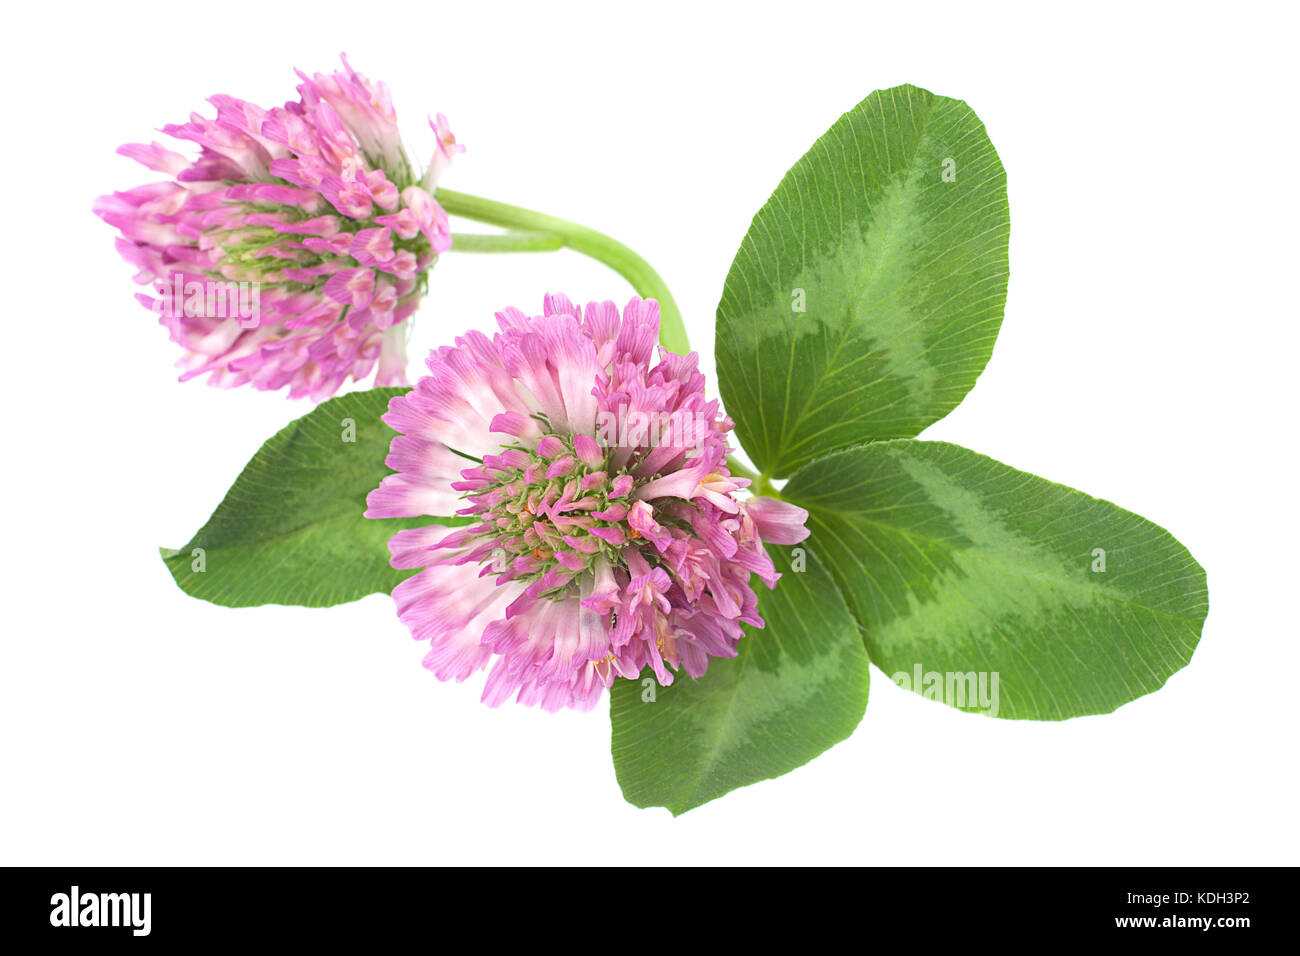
x=958, y=562
x=895, y=335
x=798, y=686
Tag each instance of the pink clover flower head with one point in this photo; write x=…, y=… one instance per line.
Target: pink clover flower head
x=292, y=250
x=608, y=533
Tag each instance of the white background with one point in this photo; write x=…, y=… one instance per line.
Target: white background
x=1148, y=357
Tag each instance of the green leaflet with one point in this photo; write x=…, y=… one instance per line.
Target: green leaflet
x=891, y=232
x=798, y=686
x=290, y=530
x=957, y=563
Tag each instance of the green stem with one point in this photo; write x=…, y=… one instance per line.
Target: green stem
x=647, y=282
x=740, y=470
x=764, y=487
x=507, y=242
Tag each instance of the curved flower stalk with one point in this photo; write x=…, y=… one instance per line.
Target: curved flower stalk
x=608, y=531
x=291, y=252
